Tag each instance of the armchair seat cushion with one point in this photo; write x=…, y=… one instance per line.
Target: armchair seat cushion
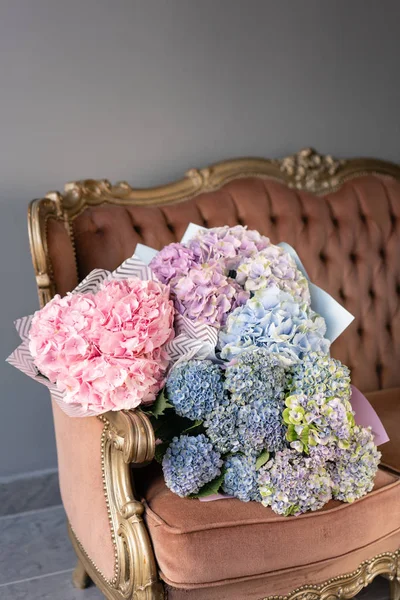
x=202, y=544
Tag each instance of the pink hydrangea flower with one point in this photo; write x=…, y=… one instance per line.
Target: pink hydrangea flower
x=104, y=351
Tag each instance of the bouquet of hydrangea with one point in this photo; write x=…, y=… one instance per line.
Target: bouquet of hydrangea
x=267, y=416
x=219, y=340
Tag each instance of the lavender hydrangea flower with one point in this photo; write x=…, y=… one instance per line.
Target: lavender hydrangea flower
x=206, y=295
x=292, y=484
x=240, y=478
x=194, y=388
x=273, y=266
x=274, y=320
x=320, y=374
x=228, y=245
x=317, y=419
x=255, y=375
x=353, y=469
x=189, y=463
x=172, y=261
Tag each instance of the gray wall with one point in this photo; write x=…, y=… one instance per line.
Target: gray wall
x=144, y=89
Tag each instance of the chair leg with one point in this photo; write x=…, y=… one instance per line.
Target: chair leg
x=395, y=589
x=80, y=578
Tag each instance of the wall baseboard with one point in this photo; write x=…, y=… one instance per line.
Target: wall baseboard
x=30, y=491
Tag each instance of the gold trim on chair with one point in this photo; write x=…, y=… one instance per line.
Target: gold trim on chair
x=127, y=435
x=347, y=586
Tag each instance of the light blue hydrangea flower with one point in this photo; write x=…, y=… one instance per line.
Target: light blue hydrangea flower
x=273, y=266
x=353, y=469
x=274, y=320
x=292, y=483
x=315, y=420
x=189, y=463
x=320, y=374
x=240, y=478
x=194, y=388
x=255, y=375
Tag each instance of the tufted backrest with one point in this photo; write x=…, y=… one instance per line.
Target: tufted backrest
x=348, y=239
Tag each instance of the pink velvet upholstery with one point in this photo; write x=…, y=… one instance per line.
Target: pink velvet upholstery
x=216, y=544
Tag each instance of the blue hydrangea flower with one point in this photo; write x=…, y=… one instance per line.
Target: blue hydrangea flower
x=240, y=478
x=292, y=483
x=194, y=388
x=314, y=420
x=273, y=319
x=320, y=374
x=220, y=425
x=255, y=375
x=249, y=429
x=259, y=427
x=189, y=463
x=353, y=469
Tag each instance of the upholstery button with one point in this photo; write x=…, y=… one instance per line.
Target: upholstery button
x=360, y=331
x=341, y=294
x=382, y=253
x=371, y=293
x=322, y=257
x=273, y=219
x=335, y=222
x=363, y=217
x=353, y=257
x=137, y=229
x=304, y=218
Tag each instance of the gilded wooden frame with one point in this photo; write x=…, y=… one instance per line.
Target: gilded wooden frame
x=127, y=435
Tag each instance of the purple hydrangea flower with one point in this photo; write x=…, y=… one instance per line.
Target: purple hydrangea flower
x=273, y=266
x=172, y=261
x=206, y=295
x=274, y=320
x=228, y=245
x=240, y=478
x=194, y=388
x=353, y=469
x=189, y=463
x=292, y=484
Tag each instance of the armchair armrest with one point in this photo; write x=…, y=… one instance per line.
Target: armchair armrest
x=132, y=434
x=128, y=437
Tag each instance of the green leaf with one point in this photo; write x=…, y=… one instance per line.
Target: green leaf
x=195, y=425
x=262, y=459
x=210, y=488
x=160, y=451
x=160, y=405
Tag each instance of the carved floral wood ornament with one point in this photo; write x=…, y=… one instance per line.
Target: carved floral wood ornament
x=127, y=435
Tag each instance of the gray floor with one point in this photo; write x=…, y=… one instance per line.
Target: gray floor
x=36, y=560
